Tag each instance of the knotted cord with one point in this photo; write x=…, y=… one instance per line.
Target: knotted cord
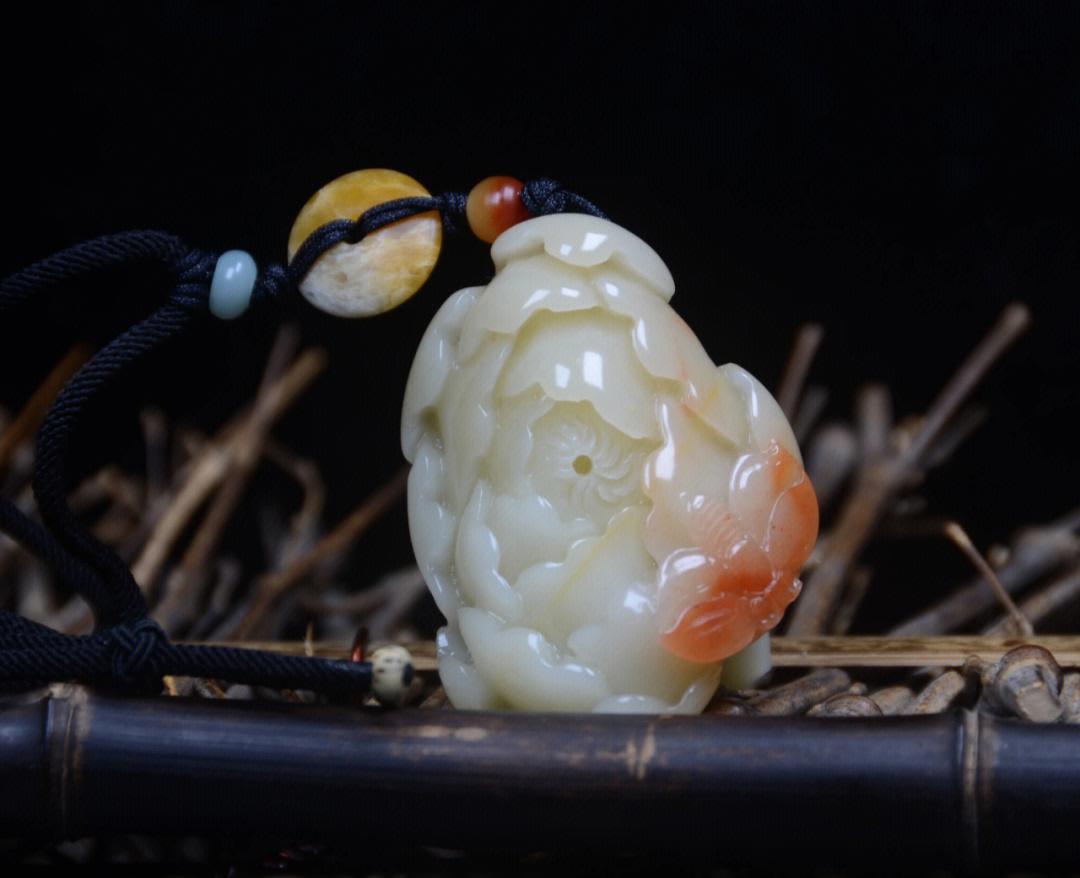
x=127, y=650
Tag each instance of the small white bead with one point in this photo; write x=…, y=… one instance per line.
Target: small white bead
x=233, y=284
x=391, y=672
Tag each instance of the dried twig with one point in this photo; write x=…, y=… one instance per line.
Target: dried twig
x=846, y=704
x=74, y=617
x=954, y=435
x=404, y=589
x=1027, y=682
x=811, y=405
x=1014, y=321
x=1070, y=698
x=830, y=459
x=221, y=598
x=109, y=484
x=799, y=695
x=17, y=475
x=1036, y=552
x=220, y=457
x=31, y=415
x=807, y=341
x=303, y=523
x=182, y=595
x=437, y=698
x=851, y=599
x=892, y=700
x=363, y=602
x=938, y=695
x=873, y=420
x=114, y=525
x=959, y=536
x=32, y=596
x=1049, y=599
x=155, y=429
x=875, y=487
x=272, y=586
x=882, y=478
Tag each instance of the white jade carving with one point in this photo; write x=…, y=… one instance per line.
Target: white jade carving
x=601, y=513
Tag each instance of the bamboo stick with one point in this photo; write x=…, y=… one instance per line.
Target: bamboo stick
x=912, y=652
x=951, y=791
x=865, y=651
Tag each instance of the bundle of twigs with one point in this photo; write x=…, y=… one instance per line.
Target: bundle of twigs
x=170, y=522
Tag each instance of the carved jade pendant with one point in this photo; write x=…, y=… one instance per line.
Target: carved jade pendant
x=601, y=513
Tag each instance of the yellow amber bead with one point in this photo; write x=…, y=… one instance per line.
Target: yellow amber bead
x=387, y=266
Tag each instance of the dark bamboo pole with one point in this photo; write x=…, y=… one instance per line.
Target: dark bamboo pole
x=960, y=790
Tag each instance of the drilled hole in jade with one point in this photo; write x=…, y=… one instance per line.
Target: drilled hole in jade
x=582, y=465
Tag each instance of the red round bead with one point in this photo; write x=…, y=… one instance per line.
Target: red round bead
x=493, y=206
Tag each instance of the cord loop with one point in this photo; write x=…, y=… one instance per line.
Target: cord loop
x=546, y=196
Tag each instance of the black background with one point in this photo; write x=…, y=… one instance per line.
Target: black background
x=897, y=174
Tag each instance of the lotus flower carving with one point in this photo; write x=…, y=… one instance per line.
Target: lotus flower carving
x=602, y=514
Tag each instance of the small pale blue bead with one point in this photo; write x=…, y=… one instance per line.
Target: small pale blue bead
x=233, y=283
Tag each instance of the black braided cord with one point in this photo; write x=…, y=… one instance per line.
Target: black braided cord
x=135, y=656
x=129, y=651
x=120, y=600
x=544, y=196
